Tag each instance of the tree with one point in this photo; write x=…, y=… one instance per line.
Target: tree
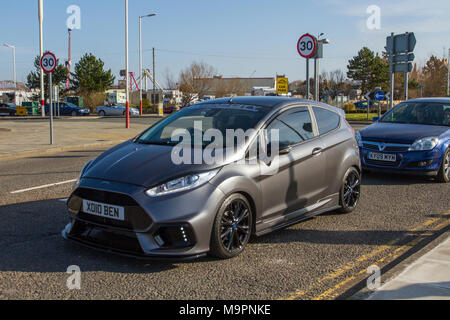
x=434, y=77
x=89, y=75
x=195, y=81
x=369, y=70
x=34, y=77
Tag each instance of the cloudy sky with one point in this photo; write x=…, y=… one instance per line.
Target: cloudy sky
x=237, y=37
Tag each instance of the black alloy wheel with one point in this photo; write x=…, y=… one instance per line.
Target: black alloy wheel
x=350, y=191
x=232, y=227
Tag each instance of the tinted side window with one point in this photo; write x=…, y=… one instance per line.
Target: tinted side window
x=326, y=120
x=300, y=121
x=287, y=136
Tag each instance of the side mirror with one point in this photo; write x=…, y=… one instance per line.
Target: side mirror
x=375, y=119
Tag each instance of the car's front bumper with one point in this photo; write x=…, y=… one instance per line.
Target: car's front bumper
x=167, y=227
x=421, y=163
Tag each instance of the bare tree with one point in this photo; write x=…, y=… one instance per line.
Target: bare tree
x=195, y=81
x=169, y=79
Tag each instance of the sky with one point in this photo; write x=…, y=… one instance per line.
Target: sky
x=240, y=38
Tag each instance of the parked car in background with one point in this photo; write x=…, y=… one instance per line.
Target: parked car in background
x=413, y=137
x=67, y=109
x=115, y=109
x=134, y=199
x=7, y=109
x=363, y=104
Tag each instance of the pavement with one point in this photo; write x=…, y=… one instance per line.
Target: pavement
x=26, y=137
x=427, y=277
x=326, y=257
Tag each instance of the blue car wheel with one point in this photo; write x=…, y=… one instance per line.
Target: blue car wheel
x=444, y=171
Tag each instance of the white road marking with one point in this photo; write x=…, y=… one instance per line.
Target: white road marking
x=44, y=186
x=63, y=199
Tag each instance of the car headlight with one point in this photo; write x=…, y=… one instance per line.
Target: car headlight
x=359, y=139
x=181, y=184
x=424, y=144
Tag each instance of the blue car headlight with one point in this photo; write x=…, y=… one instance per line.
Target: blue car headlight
x=181, y=184
x=423, y=144
x=359, y=139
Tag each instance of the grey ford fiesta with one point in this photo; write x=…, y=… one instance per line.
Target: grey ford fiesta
x=149, y=197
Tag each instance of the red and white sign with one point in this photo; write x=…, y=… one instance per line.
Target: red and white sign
x=306, y=45
x=48, y=62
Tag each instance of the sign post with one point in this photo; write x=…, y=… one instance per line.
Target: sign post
x=48, y=65
x=367, y=96
x=399, y=49
x=306, y=47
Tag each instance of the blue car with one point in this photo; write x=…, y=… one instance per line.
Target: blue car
x=413, y=137
x=67, y=109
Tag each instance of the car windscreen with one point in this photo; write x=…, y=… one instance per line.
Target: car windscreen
x=200, y=119
x=427, y=113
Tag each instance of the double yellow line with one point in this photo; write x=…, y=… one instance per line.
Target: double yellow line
x=333, y=292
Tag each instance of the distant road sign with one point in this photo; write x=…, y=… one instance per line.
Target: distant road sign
x=402, y=43
x=282, y=85
x=403, y=67
x=48, y=62
x=379, y=95
x=306, y=45
x=403, y=58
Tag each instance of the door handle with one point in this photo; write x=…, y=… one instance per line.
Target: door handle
x=316, y=151
x=285, y=150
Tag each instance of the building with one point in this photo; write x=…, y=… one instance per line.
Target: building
x=219, y=86
x=15, y=93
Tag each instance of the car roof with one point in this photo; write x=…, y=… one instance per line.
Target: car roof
x=273, y=102
x=432, y=99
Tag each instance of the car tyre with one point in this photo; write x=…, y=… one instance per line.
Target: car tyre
x=444, y=171
x=232, y=227
x=102, y=113
x=74, y=113
x=350, y=191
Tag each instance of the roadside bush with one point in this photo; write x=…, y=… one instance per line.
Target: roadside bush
x=349, y=107
x=93, y=99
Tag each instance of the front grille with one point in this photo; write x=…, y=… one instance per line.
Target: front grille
x=383, y=163
x=135, y=217
x=388, y=147
x=370, y=146
x=113, y=198
x=120, y=241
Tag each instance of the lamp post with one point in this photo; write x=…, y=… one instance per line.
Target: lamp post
x=14, y=62
x=41, y=51
x=127, y=90
x=140, y=60
x=318, y=55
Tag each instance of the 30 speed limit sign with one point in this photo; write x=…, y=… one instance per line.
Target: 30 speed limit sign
x=48, y=62
x=306, y=45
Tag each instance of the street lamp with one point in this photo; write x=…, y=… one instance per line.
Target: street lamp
x=41, y=50
x=318, y=55
x=14, y=63
x=140, y=60
x=127, y=90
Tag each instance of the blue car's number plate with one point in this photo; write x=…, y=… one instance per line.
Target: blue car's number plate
x=382, y=156
x=104, y=210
